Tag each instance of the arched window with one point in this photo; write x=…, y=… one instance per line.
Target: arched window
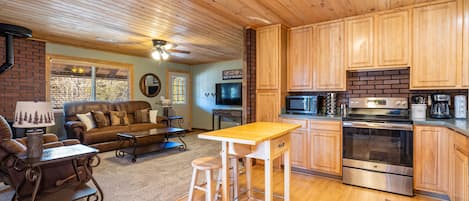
x=179, y=90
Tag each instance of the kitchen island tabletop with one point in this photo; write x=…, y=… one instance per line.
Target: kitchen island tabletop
x=270, y=140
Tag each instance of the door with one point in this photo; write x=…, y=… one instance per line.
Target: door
x=393, y=39
x=330, y=68
x=178, y=90
x=459, y=167
x=300, y=67
x=431, y=164
x=268, y=57
x=325, y=151
x=360, y=42
x=268, y=106
x=435, y=55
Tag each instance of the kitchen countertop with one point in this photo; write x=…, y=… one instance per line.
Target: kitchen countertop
x=459, y=125
x=318, y=117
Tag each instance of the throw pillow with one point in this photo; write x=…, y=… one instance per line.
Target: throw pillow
x=119, y=118
x=153, y=116
x=100, y=119
x=87, y=119
x=142, y=116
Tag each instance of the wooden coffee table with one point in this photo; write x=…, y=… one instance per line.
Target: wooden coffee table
x=136, y=147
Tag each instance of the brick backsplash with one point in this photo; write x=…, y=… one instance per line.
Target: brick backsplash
x=386, y=83
x=26, y=80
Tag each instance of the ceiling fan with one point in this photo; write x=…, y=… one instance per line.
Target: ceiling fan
x=162, y=49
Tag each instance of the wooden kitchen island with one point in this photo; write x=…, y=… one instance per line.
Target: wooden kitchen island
x=267, y=140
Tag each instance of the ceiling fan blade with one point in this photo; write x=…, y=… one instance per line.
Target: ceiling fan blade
x=179, y=51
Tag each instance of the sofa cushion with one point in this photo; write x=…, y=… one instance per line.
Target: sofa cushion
x=142, y=116
x=144, y=126
x=71, y=109
x=88, y=120
x=119, y=118
x=105, y=134
x=101, y=119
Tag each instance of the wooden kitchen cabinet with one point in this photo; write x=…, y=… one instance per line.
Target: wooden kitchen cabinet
x=392, y=38
x=268, y=107
x=326, y=147
x=435, y=49
x=270, y=56
x=459, y=167
x=359, y=33
x=329, y=68
x=465, y=66
x=300, y=59
x=299, y=152
x=431, y=164
x=271, y=72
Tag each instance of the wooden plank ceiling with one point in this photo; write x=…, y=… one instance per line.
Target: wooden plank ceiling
x=212, y=30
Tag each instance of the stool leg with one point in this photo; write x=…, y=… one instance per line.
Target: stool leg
x=234, y=164
x=209, y=193
x=217, y=190
x=248, y=166
x=193, y=183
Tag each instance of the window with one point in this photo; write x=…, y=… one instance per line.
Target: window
x=179, y=89
x=80, y=80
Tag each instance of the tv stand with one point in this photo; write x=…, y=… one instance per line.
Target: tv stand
x=228, y=113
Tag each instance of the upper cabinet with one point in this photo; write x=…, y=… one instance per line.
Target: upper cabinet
x=392, y=38
x=268, y=57
x=360, y=42
x=435, y=46
x=300, y=59
x=465, y=66
x=329, y=68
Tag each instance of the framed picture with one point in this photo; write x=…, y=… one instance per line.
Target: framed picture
x=232, y=74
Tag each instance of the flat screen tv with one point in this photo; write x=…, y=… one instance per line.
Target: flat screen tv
x=228, y=94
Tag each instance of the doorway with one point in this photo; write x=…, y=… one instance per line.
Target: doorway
x=178, y=90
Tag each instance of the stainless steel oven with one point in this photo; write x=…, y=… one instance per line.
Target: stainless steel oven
x=378, y=145
x=302, y=104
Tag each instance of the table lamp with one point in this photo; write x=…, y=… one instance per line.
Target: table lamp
x=34, y=116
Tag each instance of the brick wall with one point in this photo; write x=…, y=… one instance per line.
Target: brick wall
x=26, y=80
x=250, y=42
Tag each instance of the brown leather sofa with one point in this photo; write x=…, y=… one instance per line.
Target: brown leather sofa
x=105, y=139
x=51, y=173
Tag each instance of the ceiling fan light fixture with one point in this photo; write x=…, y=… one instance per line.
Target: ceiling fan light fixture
x=164, y=54
x=156, y=55
x=168, y=46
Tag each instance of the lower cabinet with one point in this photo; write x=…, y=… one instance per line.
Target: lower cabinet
x=317, y=145
x=431, y=159
x=326, y=151
x=459, y=167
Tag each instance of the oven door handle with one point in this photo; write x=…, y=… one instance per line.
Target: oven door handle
x=373, y=125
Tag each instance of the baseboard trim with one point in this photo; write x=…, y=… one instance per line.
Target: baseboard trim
x=312, y=172
x=432, y=195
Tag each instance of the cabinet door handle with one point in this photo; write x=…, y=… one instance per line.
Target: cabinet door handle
x=281, y=145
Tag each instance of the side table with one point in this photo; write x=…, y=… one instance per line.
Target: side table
x=72, y=153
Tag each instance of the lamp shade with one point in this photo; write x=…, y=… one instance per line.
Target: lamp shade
x=32, y=114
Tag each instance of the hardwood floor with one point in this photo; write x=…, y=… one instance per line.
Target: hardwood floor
x=315, y=188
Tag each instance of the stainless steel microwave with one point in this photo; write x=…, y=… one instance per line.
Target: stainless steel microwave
x=302, y=104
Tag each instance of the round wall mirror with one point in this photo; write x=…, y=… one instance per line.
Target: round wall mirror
x=150, y=85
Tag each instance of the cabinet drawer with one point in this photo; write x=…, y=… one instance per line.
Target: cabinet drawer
x=278, y=145
x=326, y=125
x=302, y=122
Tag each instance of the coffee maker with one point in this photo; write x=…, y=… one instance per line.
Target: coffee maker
x=440, y=106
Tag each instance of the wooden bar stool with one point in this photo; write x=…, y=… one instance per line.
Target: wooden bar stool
x=207, y=164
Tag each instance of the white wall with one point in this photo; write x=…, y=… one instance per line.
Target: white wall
x=204, y=78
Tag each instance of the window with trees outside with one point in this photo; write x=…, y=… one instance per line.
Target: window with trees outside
x=77, y=79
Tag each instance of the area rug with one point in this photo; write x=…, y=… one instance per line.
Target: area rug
x=160, y=176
